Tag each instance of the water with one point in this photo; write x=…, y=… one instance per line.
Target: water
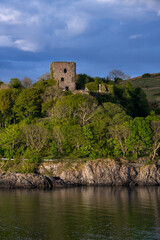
x=87, y=213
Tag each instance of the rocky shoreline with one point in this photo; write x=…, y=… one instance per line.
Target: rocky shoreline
x=30, y=181
x=96, y=172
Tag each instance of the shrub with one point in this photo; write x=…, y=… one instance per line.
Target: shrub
x=92, y=86
x=146, y=75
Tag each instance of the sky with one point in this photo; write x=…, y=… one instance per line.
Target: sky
x=99, y=35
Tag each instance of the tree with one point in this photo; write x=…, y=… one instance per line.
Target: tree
x=44, y=76
x=73, y=134
x=58, y=138
x=155, y=125
x=107, y=116
x=85, y=108
x=11, y=139
x=146, y=75
x=116, y=74
x=15, y=83
x=5, y=105
x=42, y=84
x=82, y=79
x=78, y=106
x=133, y=100
x=36, y=137
x=7, y=99
x=28, y=104
x=141, y=105
x=140, y=139
x=26, y=82
x=49, y=97
x=52, y=93
x=121, y=134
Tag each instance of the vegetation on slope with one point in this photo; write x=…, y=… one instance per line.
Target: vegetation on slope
x=150, y=83
x=42, y=121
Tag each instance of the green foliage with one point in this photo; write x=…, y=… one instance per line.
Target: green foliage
x=120, y=134
x=19, y=165
x=28, y=104
x=133, y=100
x=11, y=140
x=141, y=106
x=42, y=84
x=28, y=167
x=54, y=149
x=77, y=106
x=92, y=86
x=84, y=151
x=45, y=121
x=6, y=104
x=36, y=137
x=140, y=138
x=82, y=79
x=32, y=156
x=146, y=75
x=15, y=83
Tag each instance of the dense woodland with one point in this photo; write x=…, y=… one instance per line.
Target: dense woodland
x=41, y=121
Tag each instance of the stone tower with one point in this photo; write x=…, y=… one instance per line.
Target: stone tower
x=65, y=74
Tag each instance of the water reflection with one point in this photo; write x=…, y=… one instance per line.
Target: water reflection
x=81, y=213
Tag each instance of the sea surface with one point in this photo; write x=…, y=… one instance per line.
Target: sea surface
x=81, y=213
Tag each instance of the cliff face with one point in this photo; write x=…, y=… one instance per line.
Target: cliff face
x=104, y=172
x=31, y=180
x=97, y=172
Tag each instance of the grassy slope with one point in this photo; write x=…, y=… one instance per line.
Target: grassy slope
x=151, y=87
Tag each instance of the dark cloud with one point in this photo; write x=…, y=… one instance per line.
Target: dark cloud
x=99, y=35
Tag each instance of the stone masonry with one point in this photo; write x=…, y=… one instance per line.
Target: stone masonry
x=65, y=74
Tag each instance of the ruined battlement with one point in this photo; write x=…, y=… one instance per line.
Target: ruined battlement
x=65, y=74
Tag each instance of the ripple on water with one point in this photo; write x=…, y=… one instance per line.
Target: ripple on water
x=81, y=214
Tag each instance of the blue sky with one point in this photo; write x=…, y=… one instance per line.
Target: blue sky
x=99, y=35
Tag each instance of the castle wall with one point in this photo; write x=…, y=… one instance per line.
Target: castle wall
x=65, y=74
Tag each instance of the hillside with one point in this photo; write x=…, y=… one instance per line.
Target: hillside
x=151, y=86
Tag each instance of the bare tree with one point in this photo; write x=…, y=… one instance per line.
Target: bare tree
x=26, y=82
x=121, y=134
x=155, y=125
x=85, y=110
x=36, y=137
x=44, y=76
x=116, y=74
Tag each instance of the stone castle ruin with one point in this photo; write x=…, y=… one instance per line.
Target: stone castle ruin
x=65, y=74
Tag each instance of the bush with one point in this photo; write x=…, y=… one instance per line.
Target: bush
x=146, y=75
x=33, y=157
x=28, y=167
x=92, y=86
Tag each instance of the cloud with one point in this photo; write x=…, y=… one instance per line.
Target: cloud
x=9, y=15
x=13, y=16
x=43, y=26
x=5, y=41
x=107, y=1
x=25, y=45
x=135, y=36
x=123, y=7
x=76, y=25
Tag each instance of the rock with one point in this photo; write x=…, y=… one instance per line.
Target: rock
x=97, y=172
x=105, y=172
x=31, y=180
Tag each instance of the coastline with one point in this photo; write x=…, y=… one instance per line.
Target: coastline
x=93, y=173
